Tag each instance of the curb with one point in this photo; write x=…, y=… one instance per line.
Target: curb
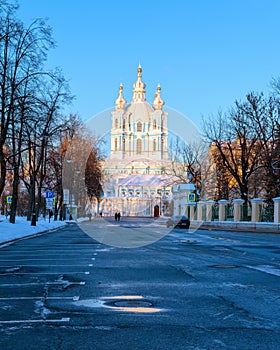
x=241, y=226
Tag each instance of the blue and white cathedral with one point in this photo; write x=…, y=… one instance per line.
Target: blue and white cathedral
x=139, y=129
x=135, y=181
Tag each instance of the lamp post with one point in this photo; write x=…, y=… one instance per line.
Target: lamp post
x=33, y=190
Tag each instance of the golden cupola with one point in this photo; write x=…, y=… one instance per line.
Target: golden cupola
x=139, y=93
x=158, y=102
x=120, y=101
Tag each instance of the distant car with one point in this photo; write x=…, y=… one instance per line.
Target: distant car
x=178, y=221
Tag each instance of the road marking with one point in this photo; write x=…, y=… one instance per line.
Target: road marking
x=44, y=273
x=38, y=259
x=41, y=283
x=43, y=253
x=74, y=298
x=271, y=270
x=51, y=250
x=6, y=266
x=64, y=319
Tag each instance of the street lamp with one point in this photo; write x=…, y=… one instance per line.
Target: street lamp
x=33, y=190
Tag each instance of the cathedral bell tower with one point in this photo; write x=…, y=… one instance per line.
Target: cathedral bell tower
x=139, y=130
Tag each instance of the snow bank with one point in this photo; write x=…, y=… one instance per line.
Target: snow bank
x=23, y=228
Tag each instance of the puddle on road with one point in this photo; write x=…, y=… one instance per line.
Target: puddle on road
x=124, y=303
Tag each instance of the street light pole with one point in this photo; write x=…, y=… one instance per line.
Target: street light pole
x=33, y=191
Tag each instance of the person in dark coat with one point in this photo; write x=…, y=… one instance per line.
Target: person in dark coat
x=119, y=216
x=116, y=216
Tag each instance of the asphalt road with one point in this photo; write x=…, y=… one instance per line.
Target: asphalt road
x=190, y=290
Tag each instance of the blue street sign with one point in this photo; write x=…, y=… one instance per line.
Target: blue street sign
x=191, y=197
x=49, y=194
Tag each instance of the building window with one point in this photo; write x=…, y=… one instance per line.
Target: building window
x=116, y=123
x=124, y=124
x=124, y=144
x=138, y=146
x=116, y=144
x=139, y=127
x=154, y=145
x=154, y=124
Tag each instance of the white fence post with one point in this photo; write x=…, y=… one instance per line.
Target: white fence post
x=209, y=206
x=237, y=203
x=276, y=210
x=256, y=212
x=200, y=206
x=222, y=209
x=192, y=206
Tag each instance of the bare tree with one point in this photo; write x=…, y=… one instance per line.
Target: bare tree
x=264, y=114
x=31, y=101
x=242, y=140
x=82, y=172
x=193, y=163
x=94, y=177
x=22, y=53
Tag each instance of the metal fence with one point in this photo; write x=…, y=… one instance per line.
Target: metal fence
x=267, y=212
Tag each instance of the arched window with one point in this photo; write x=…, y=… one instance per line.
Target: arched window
x=124, y=144
x=154, y=124
x=138, y=146
x=116, y=144
x=116, y=123
x=123, y=125
x=154, y=145
x=139, y=127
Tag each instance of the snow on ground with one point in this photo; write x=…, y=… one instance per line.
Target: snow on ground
x=23, y=228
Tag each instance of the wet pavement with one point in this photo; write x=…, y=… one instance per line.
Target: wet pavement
x=189, y=290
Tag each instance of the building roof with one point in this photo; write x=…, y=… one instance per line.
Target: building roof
x=140, y=111
x=135, y=180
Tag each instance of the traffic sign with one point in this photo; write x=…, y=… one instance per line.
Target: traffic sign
x=49, y=194
x=66, y=194
x=191, y=197
x=49, y=203
x=9, y=199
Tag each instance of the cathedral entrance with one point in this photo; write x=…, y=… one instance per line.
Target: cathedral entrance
x=156, y=211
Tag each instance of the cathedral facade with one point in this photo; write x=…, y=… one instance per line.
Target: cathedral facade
x=135, y=183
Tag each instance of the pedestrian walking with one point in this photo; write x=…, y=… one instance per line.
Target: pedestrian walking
x=119, y=216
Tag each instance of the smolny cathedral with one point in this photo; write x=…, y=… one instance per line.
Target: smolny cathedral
x=135, y=181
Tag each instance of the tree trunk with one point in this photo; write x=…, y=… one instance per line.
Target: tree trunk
x=15, y=196
x=3, y=172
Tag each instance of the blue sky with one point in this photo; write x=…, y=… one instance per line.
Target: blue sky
x=205, y=54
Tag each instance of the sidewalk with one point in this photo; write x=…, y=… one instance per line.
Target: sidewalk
x=22, y=228
x=231, y=225
x=241, y=226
